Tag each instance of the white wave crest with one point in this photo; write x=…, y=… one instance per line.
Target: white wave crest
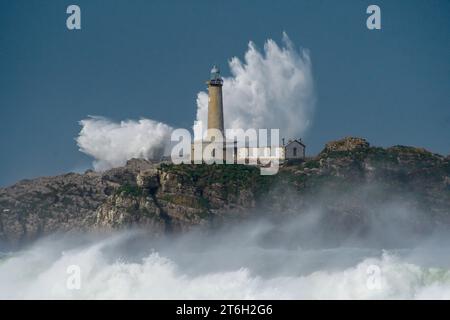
x=41, y=273
x=111, y=144
x=270, y=89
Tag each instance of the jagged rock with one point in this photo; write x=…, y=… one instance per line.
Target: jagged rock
x=123, y=211
x=137, y=165
x=148, y=179
x=346, y=144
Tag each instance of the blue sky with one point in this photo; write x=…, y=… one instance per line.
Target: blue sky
x=149, y=59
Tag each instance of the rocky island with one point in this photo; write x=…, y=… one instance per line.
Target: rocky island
x=344, y=181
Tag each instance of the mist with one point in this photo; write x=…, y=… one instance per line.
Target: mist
x=264, y=257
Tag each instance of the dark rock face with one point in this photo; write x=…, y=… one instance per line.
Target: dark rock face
x=345, y=180
x=41, y=206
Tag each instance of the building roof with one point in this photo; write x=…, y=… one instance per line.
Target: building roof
x=295, y=140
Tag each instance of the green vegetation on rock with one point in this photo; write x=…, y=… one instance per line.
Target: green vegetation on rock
x=130, y=190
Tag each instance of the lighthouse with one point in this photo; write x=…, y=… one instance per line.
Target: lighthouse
x=214, y=148
x=215, y=102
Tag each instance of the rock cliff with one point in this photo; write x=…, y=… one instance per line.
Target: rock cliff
x=345, y=181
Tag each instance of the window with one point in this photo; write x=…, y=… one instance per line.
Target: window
x=295, y=152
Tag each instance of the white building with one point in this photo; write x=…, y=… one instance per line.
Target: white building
x=294, y=150
x=259, y=154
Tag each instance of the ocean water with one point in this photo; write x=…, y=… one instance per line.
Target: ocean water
x=240, y=262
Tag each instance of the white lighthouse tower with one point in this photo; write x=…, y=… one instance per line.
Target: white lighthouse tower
x=215, y=102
